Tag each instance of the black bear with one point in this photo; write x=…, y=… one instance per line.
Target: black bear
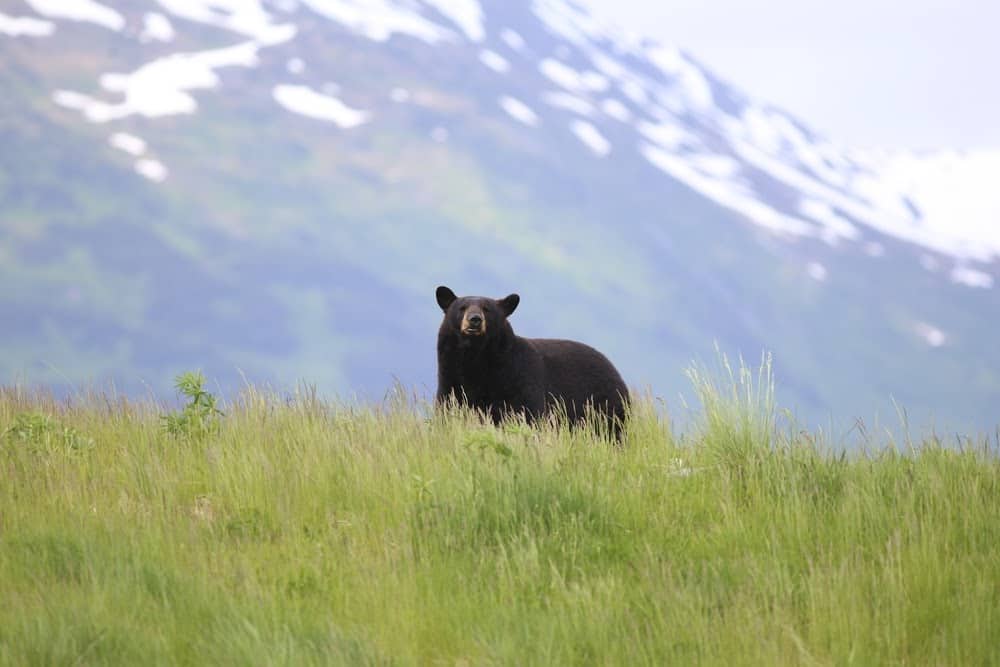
x=482, y=363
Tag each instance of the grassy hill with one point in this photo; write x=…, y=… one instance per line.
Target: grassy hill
x=289, y=530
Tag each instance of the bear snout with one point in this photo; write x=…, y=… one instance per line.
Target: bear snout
x=473, y=323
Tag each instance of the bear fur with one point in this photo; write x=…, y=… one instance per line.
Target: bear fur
x=484, y=365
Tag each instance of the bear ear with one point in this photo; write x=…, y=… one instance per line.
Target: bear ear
x=445, y=297
x=508, y=304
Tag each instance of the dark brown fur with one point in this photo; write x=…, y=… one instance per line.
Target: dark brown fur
x=498, y=372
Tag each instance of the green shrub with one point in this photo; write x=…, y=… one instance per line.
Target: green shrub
x=200, y=417
x=37, y=431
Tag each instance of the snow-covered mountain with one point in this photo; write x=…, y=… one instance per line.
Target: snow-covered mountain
x=502, y=145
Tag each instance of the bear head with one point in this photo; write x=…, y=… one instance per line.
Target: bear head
x=476, y=320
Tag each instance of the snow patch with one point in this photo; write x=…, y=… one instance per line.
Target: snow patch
x=667, y=134
x=154, y=170
x=129, y=143
x=817, y=272
x=616, y=110
x=494, y=61
x=519, y=110
x=87, y=11
x=466, y=14
x=160, y=87
x=834, y=226
x=439, y=134
x=874, y=249
x=775, y=133
x=946, y=201
x=718, y=166
x=512, y=39
x=930, y=333
x=591, y=138
x=610, y=66
x=635, y=92
x=16, y=26
x=156, y=27
x=566, y=77
x=569, y=102
x=688, y=80
x=565, y=20
x=726, y=192
x=964, y=275
x=810, y=187
x=378, y=20
x=246, y=17
x=306, y=101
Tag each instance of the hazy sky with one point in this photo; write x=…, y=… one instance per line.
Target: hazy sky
x=894, y=73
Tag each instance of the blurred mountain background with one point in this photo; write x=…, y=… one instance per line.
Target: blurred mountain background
x=271, y=191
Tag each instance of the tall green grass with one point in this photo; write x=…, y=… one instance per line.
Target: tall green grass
x=301, y=532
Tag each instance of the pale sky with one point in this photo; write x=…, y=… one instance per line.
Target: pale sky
x=910, y=74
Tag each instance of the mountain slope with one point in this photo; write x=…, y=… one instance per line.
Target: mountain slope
x=274, y=190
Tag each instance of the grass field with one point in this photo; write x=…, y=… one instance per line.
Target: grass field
x=292, y=531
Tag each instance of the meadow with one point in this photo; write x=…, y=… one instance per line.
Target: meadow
x=287, y=529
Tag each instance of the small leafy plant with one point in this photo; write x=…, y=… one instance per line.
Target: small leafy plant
x=484, y=441
x=42, y=432
x=200, y=416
